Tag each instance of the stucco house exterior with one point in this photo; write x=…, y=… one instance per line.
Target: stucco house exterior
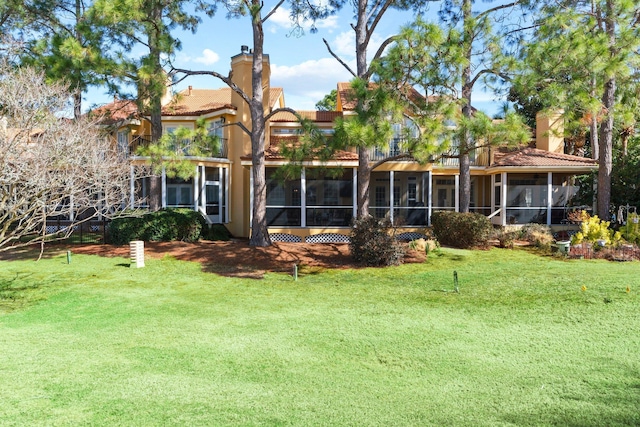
x=532, y=184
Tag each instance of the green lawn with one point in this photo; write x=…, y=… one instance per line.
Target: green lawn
x=98, y=343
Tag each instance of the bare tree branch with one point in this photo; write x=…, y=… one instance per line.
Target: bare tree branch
x=339, y=60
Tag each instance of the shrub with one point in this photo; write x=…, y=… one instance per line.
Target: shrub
x=506, y=236
x=461, y=230
x=164, y=225
x=373, y=243
x=538, y=235
x=125, y=229
x=593, y=229
x=215, y=232
x=631, y=230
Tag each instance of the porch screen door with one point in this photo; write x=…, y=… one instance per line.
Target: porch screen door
x=213, y=195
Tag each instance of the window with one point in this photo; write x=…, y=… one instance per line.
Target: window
x=179, y=195
x=123, y=142
x=331, y=192
x=216, y=129
x=412, y=193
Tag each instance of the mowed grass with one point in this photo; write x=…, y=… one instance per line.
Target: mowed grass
x=98, y=343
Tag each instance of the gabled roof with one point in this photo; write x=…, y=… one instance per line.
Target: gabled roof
x=274, y=95
x=188, y=102
x=349, y=104
x=194, y=102
x=533, y=157
x=316, y=116
x=116, y=111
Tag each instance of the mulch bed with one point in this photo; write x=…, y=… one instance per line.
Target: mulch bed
x=233, y=258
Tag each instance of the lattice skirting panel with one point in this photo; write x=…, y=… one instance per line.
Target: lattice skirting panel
x=409, y=236
x=327, y=238
x=285, y=237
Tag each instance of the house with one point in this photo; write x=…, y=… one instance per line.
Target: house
x=533, y=184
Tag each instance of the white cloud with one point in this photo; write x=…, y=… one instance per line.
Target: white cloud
x=281, y=19
x=208, y=57
x=308, y=82
x=344, y=45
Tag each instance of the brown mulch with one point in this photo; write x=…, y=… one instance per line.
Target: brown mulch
x=233, y=258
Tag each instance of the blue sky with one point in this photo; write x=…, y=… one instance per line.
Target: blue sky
x=301, y=65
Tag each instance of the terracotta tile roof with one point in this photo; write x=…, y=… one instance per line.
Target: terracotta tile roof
x=536, y=157
x=316, y=116
x=120, y=109
x=349, y=104
x=192, y=102
x=344, y=90
x=274, y=95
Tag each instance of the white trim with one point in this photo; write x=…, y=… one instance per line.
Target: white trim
x=303, y=197
x=132, y=187
x=220, y=195
x=196, y=193
x=549, y=196
x=227, y=207
x=391, y=195
x=503, y=197
x=163, y=187
x=354, y=192
x=429, y=197
x=456, y=204
x=203, y=184
x=212, y=114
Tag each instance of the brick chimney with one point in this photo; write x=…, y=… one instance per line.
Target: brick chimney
x=550, y=131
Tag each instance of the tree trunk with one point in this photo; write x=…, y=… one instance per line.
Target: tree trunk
x=364, y=180
x=606, y=129
x=606, y=151
x=155, y=92
x=77, y=103
x=364, y=170
x=466, y=142
x=593, y=124
x=259, y=230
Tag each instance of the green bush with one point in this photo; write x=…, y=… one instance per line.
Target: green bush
x=373, y=243
x=461, y=230
x=215, y=232
x=164, y=225
x=631, y=230
x=594, y=230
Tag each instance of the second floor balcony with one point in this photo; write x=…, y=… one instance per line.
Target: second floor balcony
x=397, y=147
x=183, y=147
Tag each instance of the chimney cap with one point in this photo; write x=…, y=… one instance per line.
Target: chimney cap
x=244, y=48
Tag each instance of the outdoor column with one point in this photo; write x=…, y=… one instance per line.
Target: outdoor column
x=203, y=182
x=303, y=197
x=163, y=187
x=227, y=185
x=354, y=192
x=391, y=195
x=132, y=187
x=457, y=198
x=503, y=197
x=429, y=197
x=220, y=194
x=196, y=193
x=549, y=196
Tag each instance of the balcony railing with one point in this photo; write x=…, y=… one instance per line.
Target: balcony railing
x=397, y=147
x=145, y=140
